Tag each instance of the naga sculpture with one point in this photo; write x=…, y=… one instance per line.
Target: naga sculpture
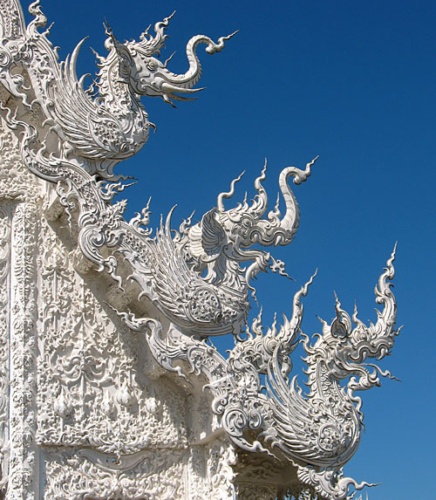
x=201, y=276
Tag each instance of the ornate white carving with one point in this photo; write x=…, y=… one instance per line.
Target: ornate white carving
x=17, y=335
x=106, y=422
x=104, y=130
x=76, y=474
x=22, y=408
x=91, y=377
x=5, y=248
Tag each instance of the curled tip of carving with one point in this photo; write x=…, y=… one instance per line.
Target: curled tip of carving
x=305, y=288
x=225, y=38
x=389, y=270
x=392, y=257
x=82, y=41
x=264, y=169
x=394, y=251
x=313, y=276
x=356, y=314
x=276, y=207
x=321, y=320
x=299, y=175
x=168, y=220
x=229, y=194
x=169, y=59
x=371, y=485
x=107, y=28
x=213, y=48
x=312, y=163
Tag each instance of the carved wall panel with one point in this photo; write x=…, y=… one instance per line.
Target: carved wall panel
x=77, y=474
x=92, y=391
x=81, y=397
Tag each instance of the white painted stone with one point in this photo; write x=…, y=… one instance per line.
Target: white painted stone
x=108, y=388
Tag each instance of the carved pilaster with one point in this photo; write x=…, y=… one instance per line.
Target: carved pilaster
x=23, y=461
x=5, y=250
x=221, y=457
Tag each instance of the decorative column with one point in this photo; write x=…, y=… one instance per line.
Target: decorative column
x=23, y=452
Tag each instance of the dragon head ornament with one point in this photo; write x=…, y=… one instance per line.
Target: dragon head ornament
x=107, y=123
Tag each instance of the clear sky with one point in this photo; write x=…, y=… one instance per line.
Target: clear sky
x=353, y=82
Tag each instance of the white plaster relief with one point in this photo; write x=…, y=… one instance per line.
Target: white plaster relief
x=83, y=389
x=22, y=481
x=18, y=205
x=5, y=249
x=91, y=390
x=77, y=474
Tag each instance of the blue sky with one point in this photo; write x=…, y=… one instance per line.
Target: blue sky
x=354, y=83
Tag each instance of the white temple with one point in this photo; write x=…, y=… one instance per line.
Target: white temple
x=109, y=385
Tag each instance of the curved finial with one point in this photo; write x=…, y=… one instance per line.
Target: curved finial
x=229, y=194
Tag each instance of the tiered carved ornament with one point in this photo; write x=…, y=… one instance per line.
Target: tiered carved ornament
x=200, y=277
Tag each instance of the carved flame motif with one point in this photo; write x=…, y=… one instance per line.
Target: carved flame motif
x=199, y=277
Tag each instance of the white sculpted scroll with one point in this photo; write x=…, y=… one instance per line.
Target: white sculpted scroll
x=108, y=325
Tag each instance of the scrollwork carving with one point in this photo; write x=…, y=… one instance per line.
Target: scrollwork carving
x=96, y=416
x=5, y=251
x=80, y=473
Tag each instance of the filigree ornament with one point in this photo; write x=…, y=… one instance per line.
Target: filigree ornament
x=199, y=278
x=5, y=236
x=321, y=429
x=103, y=126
